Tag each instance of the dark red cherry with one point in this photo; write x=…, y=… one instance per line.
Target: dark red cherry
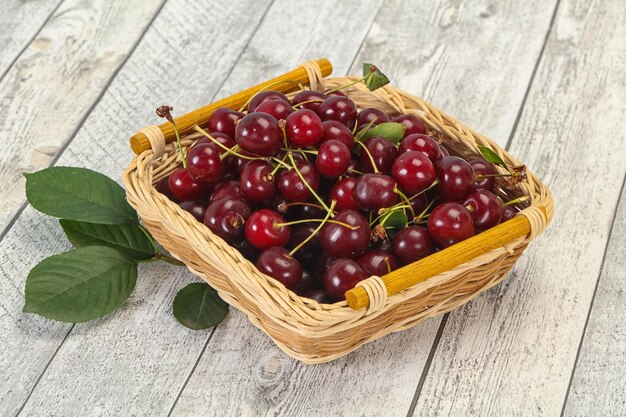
x=339, y=241
x=308, y=283
x=456, y=178
x=304, y=128
x=383, y=152
x=484, y=208
x=482, y=168
x=508, y=212
x=307, y=254
x=225, y=189
x=413, y=124
x=291, y=185
x=337, y=93
x=226, y=217
x=247, y=250
x=204, y=164
x=333, y=158
x=339, y=108
x=222, y=138
x=354, y=169
x=375, y=191
x=371, y=115
x=235, y=163
x=414, y=172
x=277, y=108
x=224, y=120
x=318, y=295
x=443, y=151
x=322, y=264
x=343, y=275
x=378, y=262
x=411, y=244
x=264, y=229
x=343, y=194
x=184, y=187
x=315, y=99
x=310, y=211
x=257, y=182
x=421, y=143
x=195, y=207
x=419, y=203
x=337, y=130
x=264, y=96
x=258, y=133
x=163, y=187
x=278, y=264
x=450, y=223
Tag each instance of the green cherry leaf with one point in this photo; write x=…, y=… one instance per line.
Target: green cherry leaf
x=127, y=238
x=374, y=78
x=78, y=194
x=392, y=131
x=396, y=219
x=198, y=306
x=491, y=156
x=80, y=285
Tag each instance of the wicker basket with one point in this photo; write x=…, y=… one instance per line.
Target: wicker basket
x=304, y=329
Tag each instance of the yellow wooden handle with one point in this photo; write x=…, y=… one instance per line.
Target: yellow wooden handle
x=185, y=123
x=446, y=259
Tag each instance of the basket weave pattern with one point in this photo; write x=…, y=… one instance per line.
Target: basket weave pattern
x=304, y=329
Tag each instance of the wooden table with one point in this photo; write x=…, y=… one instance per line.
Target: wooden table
x=545, y=78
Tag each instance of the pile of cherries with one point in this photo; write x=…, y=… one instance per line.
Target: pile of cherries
x=295, y=188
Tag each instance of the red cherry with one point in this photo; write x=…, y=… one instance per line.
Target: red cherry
x=163, y=187
x=322, y=264
x=224, y=120
x=264, y=229
x=195, y=207
x=304, y=128
x=484, y=208
x=413, y=124
x=508, y=212
x=264, y=96
x=333, y=158
x=226, y=189
x=235, y=164
x=343, y=275
x=247, y=250
x=307, y=254
x=204, y=164
x=383, y=152
x=343, y=194
x=354, y=169
x=184, y=187
x=339, y=108
x=339, y=241
x=411, y=244
x=450, y=223
x=277, y=108
x=421, y=143
x=278, y=264
x=318, y=295
x=337, y=130
x=291, y=186
x=482, y=168
x=443, y=151
x=259, y=133
x=456, y=178
x=375, y=191
x=222, y=138
x=371, y=115
x=257, y=182
x=309, y=95
x=308, y=283
x=414, y=172
x=337, y=93
x=378, y=262
x=226, y=217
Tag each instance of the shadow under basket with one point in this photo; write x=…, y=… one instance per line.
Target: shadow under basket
x=302, y=328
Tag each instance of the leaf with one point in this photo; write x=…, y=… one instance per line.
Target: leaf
x=78, y=194
x=392, y=131
x=374, y=78
x=80, y=285
x=491, y=156
x=396, y=219
x=127, y=238
x=198, y=306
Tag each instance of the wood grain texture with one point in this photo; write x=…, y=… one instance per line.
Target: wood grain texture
x=55, y=82
x=19, y=22
x=380, y=378
x=511, y=351
x=598, y=385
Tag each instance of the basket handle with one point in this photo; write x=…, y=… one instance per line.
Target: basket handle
x=284, y=83
x=446, y=259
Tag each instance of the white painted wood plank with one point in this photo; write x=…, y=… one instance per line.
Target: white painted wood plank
x=598, y=386
x=54, y=83
x=242, y=372
x=511, y=352
x=135, y=361
x=19, y=22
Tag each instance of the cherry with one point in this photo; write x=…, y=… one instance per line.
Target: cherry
x=259, y=133
x=292, y=187
x=443, y=151
x=247, y=250
x=308, y=283
x=309, y=95
x=184, y=187
x=421, y=143
x=195, y=207
x=482, y=168
x=343, y=275
x=278, y=264
x=333, y=158
x=337, y=93
x=508, y=212
x=339, y=108
x=339, y=241
x=222, y=138
x=456, y=178
x=375, y=191
x=277, y=108
x=419, y=203
x=264, y=96
x=343, y=194
x=318, y=295
x=226, y=189
x=304, y=128
x=226, y=217
x=204, y=164
x=378, y=262
x=308, y=253
x=163, y=187
x=224, y=120
x=354, y=169
x=411, y=244
x=337, y=130
x=257, y=182
x=484, y=208
x=322, y=264
x=450, y=223
x=383, y=152
x=414, y=172
x=310, y=211
x=264, y=229
x=413, y=124
x=371, y=115
x=235, y=163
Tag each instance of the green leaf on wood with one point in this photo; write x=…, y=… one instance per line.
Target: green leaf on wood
x=392, y=131
x=198, y=306
x=396, y=219
x=127, y=238
x=374, y=78
x=491, y=156
x=78, y=194
x=80, y=285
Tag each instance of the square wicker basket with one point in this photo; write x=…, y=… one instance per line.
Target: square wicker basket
x=304, y=329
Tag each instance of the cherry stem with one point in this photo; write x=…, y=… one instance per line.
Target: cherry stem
x=317, y=197
x=318, y=100
x=382, y=212
x=369, y=155
x=355, y=171
x=302, y=203
x=479, y=177
x=341, y=87
x=279, y=163
x=364, y=130
x=316, y=231
x=232, y=150
x=517, y=200
x=302, y=151
x=388, y=265
x=406, y=200
x=423, y=213
x=226, y=148
x=180, y=144
x=325, y=220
